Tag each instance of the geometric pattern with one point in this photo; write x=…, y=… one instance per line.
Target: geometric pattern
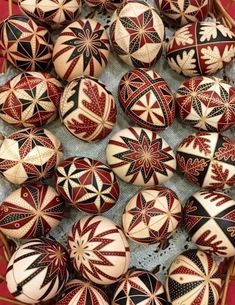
x=30, y=99
x=152, y=215
x=140, y=157
x=137, y=34
x=82, y=293
x=37, y=271
x=98, y=249
x=207, y=159
x=104, y=5
x=193, y=278
x=206, y=103
x=147, y=99
x=82, y=48
x=182, y=12
x=209, y=218
x=139, y=288
x=88, y=109
x=31, y=211
x=201, y=48
x=53, y=12
x=26, y=45
x=87, y=184
x=30, y=155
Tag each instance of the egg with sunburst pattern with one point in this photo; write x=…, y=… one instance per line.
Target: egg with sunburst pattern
x=37, y=270
x=104, y=5
x=98, y=249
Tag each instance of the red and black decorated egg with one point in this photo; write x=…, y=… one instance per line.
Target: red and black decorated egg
x=207, y=159
x=182, y=12
x=77, y=292
x=139, y=287
x=106, y=5
x=206, y=103
x=88, y=109
x=147, y=99
x=26, y=45
x=30, y=99
x=82, y=48
x=98, y=249
x=31, y=211
x=53, y=12
x=137, y=34
x=37, y=271
x=140, y=156
x=209, y=218
x=30, y=155
x=193, y=278
x=201, y=48
x=87, y=184
x=152, y=215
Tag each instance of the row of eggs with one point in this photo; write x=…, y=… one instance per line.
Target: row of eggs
x=136, y=33
x=150, y=216
x=39, y=271
x=88, y=109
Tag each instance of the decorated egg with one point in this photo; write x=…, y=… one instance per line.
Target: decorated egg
x=207, y=159
x=29, y=155
x=193, y=278
x=140, y=157
x=137, y=34
x=147, y=99
x=37, y=271
x=201, y=48
x=98, y=249
x=82, y=48
x=77, y=292
x=182, y=12
x=31, y=211
x=152, y=215
x=139, y=287
x=53, y=12
x=106, y=5
x=30, y=99
x=206, y=103
x=26, y=45
x=87, y=184
x=209, y=219
x=88, y=109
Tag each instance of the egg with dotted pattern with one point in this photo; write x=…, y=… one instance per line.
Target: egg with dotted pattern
x=193, y=278
x=37, y=270
x=87, y=109
x=139, y=287
x=31, y=211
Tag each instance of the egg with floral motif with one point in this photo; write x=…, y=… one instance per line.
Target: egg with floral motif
x=207, y=159
x=209, y=219
x=105, y=5
x=206, y=103
x=201, y=48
